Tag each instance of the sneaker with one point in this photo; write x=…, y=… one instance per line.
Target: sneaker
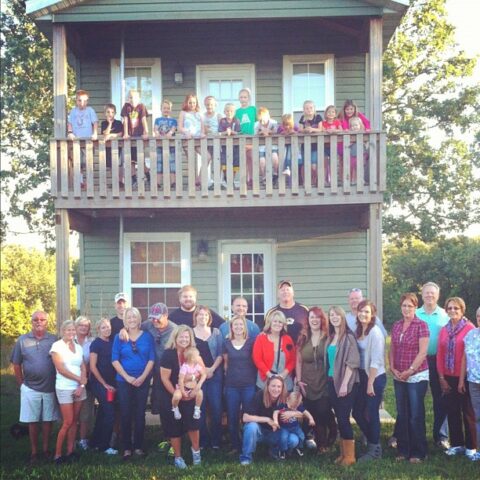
x=83, y=444
x=196, y=457
x=245, y=462
x=455, y=451
x=111, y=451
x=443, y=443
x=196, y=413
x=392, y=442
x=286, y=171
x=299, y=452
x=59, y=461
x=223, y=185
x=176, y=413
x=180, y=463
x=475, y=457
x=310, y=443
x=470, y=452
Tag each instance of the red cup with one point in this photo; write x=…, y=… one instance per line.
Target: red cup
x=110, y=395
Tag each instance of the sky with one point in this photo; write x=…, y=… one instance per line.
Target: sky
x=464, y=14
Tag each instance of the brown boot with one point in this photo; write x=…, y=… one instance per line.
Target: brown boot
x=339, y=459
x=348, y=452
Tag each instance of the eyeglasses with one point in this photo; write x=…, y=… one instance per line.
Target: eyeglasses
x=453, y=308
x=134, y=346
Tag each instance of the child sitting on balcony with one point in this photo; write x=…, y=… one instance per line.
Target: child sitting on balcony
x=190, y=379
x=356, y=125
x=134, y=117
x=164, y=128
x=82, y=122
x=331, y=124
x=229, y=126
x=310, y=123
x=266, y=126
x=247, y=115
x=112, y=129
x=288, y=128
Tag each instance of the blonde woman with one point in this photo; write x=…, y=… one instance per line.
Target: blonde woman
x=70, y=383
x=274, y=350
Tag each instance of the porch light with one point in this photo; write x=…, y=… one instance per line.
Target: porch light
x=202, y=250
x=178, y=75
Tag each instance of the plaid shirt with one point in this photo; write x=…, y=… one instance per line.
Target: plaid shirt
x=406, y=345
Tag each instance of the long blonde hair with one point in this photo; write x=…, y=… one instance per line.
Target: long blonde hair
x=172, y=341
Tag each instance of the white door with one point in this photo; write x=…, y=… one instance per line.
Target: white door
x=247, y=270
x=224, y=82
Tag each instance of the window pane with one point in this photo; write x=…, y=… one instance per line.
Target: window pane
x=139, y=273
x=225, y=90
x=139, y=251
x=171, y=297
x=173, y=273
x=247, y=284
x=155, y=273
x=235, y=284
x=234, y=263
x=172, y=252
x=156, y=295
x=139, y=297
x=258, y=283
x=258, y=262
x=155, y=251
x=246, y=263
x=308, y=82
x=214, y=88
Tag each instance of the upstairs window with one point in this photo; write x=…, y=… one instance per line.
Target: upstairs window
x=307, y=77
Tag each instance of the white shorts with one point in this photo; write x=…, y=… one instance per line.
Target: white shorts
x=67, y=396
x=37, y=406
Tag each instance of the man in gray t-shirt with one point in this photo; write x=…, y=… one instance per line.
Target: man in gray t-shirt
x=35, y=375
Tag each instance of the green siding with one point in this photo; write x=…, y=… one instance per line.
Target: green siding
x=324, y=260
x=126, y=10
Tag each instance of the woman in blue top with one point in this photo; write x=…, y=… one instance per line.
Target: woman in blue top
x=133, y=360
x=240, y=375
x=210, y=345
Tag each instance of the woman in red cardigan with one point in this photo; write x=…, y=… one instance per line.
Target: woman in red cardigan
x=274, y=351
x=449, y=363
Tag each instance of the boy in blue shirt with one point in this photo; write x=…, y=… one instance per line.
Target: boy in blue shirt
x=165, y=127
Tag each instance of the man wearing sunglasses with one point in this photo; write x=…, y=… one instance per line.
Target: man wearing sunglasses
x=35, y=375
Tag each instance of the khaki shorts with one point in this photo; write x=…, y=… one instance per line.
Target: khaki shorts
x=88, y=408
x=37, y=406
x=67, y=396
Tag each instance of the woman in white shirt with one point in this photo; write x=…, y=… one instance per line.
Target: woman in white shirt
x=70, y=382
x=371, y=345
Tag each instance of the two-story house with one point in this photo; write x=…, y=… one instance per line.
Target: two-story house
x=321, y=232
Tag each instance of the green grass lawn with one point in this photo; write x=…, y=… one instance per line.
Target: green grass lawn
x=15, y=453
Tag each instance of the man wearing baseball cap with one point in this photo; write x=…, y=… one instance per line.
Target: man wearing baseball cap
x=296, y=313
x=121, y=304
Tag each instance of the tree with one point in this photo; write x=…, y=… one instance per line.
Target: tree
x=430, y=182
x=27, y=112
x=451, y=263
x=27, y=284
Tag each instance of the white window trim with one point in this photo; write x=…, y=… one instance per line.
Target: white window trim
x=185, y=252
x=116, y=88
x=290, y=60
x=230, y=66
x=244, y=246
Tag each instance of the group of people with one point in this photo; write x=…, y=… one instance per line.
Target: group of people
x=247, y=120
x=292, y=385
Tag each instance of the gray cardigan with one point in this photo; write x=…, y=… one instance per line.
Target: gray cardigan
x=375, y=351
x=346, y=355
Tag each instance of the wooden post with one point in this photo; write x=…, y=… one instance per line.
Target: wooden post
x=375, y=256
x=376, y=67
x=60, y=80
x=62, y=232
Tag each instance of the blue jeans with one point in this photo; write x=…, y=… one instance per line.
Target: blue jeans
x=365, y=411
x=342, y=407
x=440, y=426
x=474, y=390
x=133, y=401
x=254, y=433
x=410, y=427
x=212, y=396
x=234, y=397
x=286, y=432
x=103, y=429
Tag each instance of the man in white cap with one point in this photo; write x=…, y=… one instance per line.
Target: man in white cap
x=121, y=304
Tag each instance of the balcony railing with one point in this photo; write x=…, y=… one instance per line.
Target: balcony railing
x=325, y=168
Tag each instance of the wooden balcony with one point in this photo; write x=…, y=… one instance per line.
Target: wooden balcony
x=198, y=182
